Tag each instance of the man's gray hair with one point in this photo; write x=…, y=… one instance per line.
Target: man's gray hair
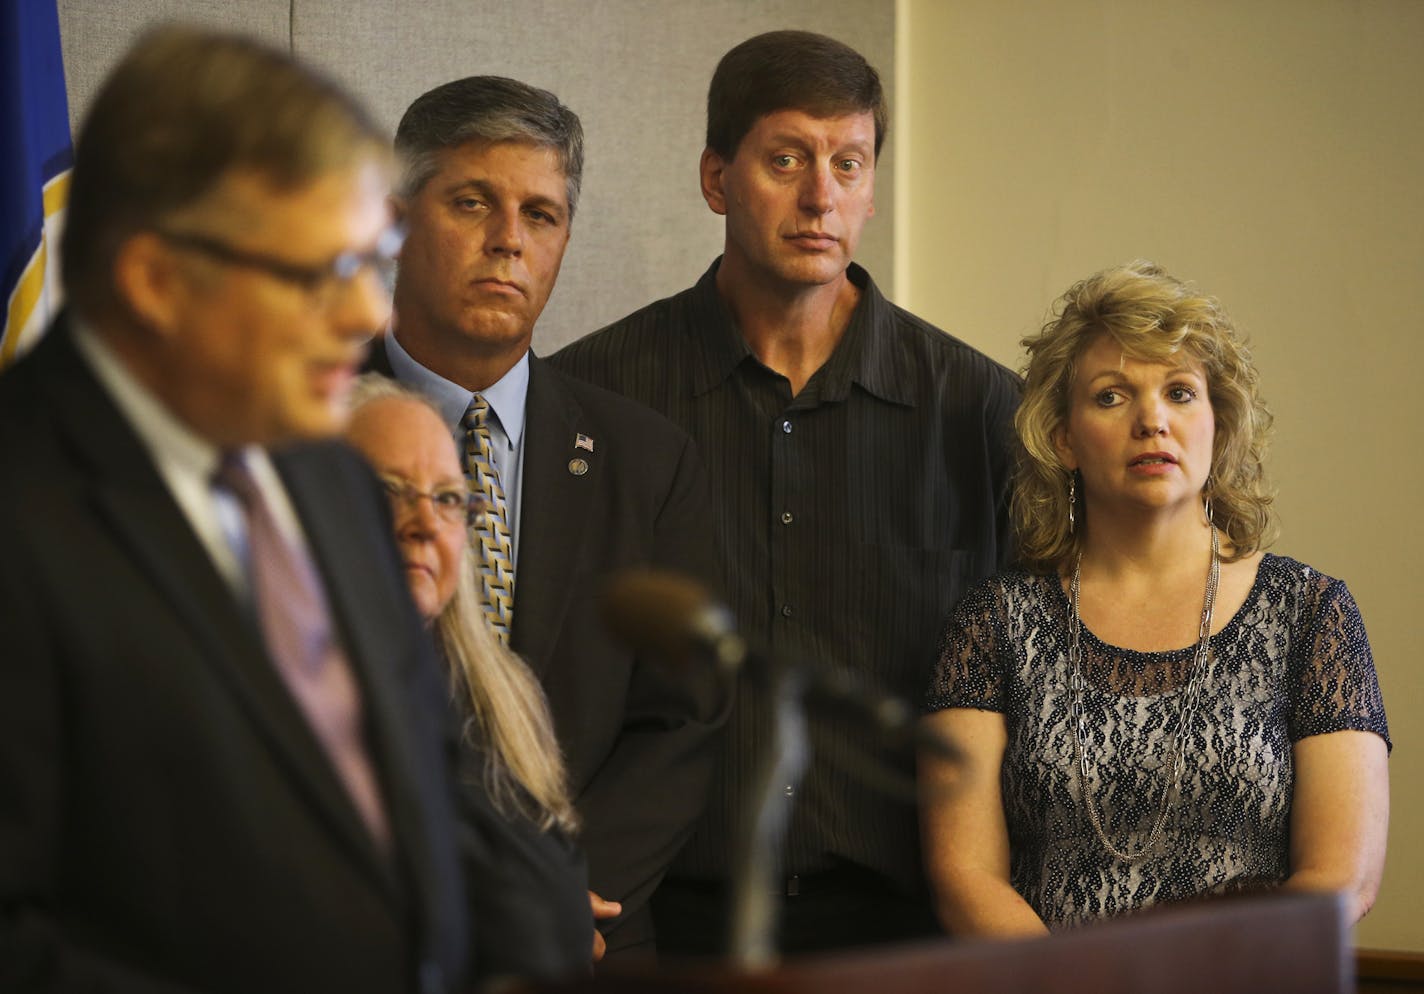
x=491, y=109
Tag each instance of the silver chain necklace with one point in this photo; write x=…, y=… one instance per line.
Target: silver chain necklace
x=1200, y=661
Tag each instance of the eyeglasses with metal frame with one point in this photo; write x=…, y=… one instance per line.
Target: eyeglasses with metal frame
x=320, y=280
x=453, y=505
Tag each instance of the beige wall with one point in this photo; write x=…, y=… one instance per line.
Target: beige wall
x=1272, y=151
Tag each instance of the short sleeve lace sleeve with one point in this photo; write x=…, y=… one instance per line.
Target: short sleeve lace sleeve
x=970, y=671
x=1332, y=671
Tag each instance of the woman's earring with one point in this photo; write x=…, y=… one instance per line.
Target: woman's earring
x=1072, y=499
x=1206, y=502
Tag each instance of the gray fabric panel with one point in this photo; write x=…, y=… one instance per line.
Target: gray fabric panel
x=636, y=72
x=94, y=34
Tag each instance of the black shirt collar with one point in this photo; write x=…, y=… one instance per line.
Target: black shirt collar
x=866, y=355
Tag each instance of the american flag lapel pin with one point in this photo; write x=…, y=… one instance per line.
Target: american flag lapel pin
x=582, y=441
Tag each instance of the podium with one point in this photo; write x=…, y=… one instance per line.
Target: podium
x=1248, y=945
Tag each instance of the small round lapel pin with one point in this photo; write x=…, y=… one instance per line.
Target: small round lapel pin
x=578, y=467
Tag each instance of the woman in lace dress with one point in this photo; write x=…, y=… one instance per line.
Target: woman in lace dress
x=1156, y=708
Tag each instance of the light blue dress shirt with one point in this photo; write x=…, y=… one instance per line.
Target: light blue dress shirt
x=506, y=400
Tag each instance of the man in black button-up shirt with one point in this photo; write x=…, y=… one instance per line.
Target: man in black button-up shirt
x=859, y=459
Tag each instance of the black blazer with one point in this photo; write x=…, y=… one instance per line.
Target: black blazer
x=168, y=820
x=637, y=736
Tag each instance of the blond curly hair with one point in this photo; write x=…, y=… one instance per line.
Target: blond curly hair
x=1153, y=317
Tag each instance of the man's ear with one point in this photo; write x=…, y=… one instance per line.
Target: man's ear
x=711, y=169
x=148, y=281
x=398, y=207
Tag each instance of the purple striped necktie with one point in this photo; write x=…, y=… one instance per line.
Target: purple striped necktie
x=296, y=625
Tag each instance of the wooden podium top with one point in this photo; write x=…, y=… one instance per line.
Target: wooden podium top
x=1255, y=945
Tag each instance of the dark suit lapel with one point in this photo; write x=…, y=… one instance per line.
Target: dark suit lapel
x=168, y=551
x=147, y=523
x=553, y=514
x=373, y=649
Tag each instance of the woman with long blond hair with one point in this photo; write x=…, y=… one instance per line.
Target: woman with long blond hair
x=508, y=742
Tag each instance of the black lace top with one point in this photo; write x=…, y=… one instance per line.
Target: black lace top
x=1294, y=661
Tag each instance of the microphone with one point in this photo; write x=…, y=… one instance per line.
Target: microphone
x=672, y=617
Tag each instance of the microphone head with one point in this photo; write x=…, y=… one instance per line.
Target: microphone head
x=669, y=615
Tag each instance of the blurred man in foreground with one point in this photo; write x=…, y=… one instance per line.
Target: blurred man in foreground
x=218, y=765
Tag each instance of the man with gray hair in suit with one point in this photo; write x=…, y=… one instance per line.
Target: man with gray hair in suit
x=578, y=482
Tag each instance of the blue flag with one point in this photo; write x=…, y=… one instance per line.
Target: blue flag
x=35, y=155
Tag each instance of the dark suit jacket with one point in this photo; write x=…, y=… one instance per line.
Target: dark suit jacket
x=168, y=820
x=637, y=737
x=532, y=903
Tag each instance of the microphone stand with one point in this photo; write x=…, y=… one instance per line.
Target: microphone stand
x=756, y=900
x=672, y=617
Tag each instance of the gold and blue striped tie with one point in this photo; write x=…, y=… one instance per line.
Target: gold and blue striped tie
x=490, y=532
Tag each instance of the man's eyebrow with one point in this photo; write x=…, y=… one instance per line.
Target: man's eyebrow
x=802, y=141
x=550, y=203
x=787, y=138
x=477, y=184
x=472, y=183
